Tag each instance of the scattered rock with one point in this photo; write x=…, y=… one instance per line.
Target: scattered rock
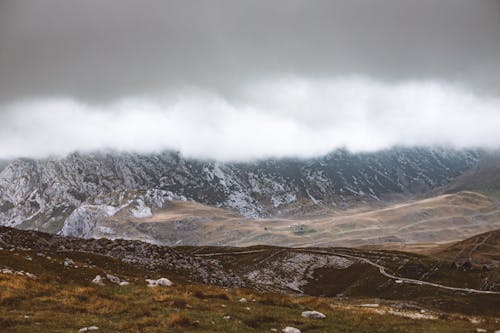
x=408, y=314
x=467, y=265
x=373, y=305
x=68, y=262
x=289, y=329
x=480, y=330
x=113, y=278
x=226, y=317
x=90, y=328
x=160, y=282
x=124, y=283
x=22, y=273
x=313, y=314
x=98, y=280
x=243, y=300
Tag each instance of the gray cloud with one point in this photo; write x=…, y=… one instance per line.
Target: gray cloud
x=100, y=50
x=244, y=79
x=288, y=117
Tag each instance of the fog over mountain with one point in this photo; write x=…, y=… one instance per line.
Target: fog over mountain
x=292, y=118
x=248, y=79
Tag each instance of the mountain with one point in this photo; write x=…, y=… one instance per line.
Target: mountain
x=485, y=177
x=3, y=164
x=50, y=194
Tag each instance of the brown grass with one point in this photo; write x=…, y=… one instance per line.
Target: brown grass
x=49, y=307
x=179, y=320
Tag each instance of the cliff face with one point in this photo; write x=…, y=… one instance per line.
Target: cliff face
x=43, y=194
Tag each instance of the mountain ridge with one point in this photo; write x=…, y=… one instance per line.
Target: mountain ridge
x=43, y=194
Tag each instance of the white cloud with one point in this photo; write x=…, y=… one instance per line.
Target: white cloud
x=288, y=117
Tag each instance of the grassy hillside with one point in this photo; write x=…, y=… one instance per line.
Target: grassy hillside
x=480, y=249
x=62, y=299
x=439, y=219
x=278, y=283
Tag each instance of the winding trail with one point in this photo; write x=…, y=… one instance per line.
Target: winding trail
x=384, y=272
x=214, y=254
x=382, y=269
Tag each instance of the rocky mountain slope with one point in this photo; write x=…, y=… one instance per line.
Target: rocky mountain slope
x=485, y=177
x=3, y=164
x=50, y=193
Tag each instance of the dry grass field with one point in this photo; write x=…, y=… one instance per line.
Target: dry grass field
x=46, y=305
x=412, y=226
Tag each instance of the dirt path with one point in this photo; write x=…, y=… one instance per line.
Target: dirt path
x=214, y=254
x=382, y=269
x=384, y=272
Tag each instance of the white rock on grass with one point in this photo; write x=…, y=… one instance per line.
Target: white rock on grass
x=243, y=300
x=289, y=329
x=98, y=280
x=313, y=314
x=68, y=262
x=113, y=278
x=124, y=283
x=22, y=273
x=87, y=329
x=160, y=282
x=369, y=305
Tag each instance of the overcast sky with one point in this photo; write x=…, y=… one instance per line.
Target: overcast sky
x=247, y=79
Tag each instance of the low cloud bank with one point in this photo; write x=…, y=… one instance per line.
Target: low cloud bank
x=287, y=117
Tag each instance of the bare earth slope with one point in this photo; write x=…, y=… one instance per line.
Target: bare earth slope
x=437, y=220
x=484, y=177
